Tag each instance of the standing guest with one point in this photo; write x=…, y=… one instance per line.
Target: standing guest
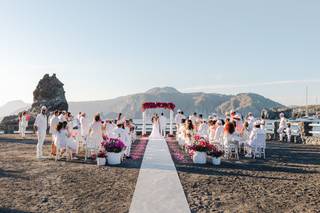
x=84, y=126
x=203, y=129
x=123, y=135
x=212, y=130
x=53, y=123
x=218, y=136
x=250, y=120
x=178, y=118
x=288, y=132
x=23, y=124
x=63, y=137
x=194, y=118
x=62, y=116
x=109, y=128
x=163, y=124
x=95, y=132
x=40, y=126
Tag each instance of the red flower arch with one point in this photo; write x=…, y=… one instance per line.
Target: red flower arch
x=154, y=105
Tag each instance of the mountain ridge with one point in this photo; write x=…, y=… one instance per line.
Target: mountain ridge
x=201, y=102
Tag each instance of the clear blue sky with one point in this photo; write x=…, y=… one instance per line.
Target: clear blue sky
x=103, y=49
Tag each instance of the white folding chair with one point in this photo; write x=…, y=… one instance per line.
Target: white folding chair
x=260, y=146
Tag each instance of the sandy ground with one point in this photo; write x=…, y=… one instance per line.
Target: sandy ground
x=287, y=181
x=29, y=185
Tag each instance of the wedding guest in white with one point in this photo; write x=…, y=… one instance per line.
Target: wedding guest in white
x=109, y=129
x=288, y=132
x=123, y=135
x=212, y=130
x=203, y=129
x=23, y=124
x=95, y=132
x=194, y=118
x=282, y=126
x=84, y=126
x=250, y=120
x=62, y=116
x=229, y=134
x=181, y=131
x=40, y=126
x=178, y=119
x=64, y=139
x=53, y=122
x=163, y=124
x=189, y=133
x=252, y=139
x=218, y=136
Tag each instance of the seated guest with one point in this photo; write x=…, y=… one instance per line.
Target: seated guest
x=123, y=135
x=203, y=129
x=180, y=132
x=189, y=133
x=253, y=136
x=228, y=136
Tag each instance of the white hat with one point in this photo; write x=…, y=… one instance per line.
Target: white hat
x=179, y=110
x=43, y=108
x=219, y=122
x=281, y=114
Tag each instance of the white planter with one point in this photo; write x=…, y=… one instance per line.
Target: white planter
x=199, y=158
x=114, y=158
x=101, y=161
x=216, y=160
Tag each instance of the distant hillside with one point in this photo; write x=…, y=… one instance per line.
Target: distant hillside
x=205, y=103
x=13, y=107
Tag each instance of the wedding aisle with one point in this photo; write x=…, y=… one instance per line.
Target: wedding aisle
x=158, y=187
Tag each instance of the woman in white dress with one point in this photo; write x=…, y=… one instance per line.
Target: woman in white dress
x=95, y=133
x=23, y=124
x=155, y=134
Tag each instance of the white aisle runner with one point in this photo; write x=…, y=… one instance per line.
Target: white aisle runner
x=158, y=187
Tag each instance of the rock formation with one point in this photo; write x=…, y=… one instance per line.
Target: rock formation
x=49, y=93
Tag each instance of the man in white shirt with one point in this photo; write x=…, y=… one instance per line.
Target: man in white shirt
x=40, y=126
x=163, y=124
x=84, y=126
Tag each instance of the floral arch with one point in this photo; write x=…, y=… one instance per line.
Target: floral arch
x=155, y=105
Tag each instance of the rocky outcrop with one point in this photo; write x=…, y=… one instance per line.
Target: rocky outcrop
x=49, y=93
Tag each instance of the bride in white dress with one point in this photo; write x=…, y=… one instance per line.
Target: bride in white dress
x=155, y=134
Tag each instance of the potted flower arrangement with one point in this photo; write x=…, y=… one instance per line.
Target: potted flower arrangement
x=199, y=149
x=114, y=148
x=216, y=154
x=101, y=158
